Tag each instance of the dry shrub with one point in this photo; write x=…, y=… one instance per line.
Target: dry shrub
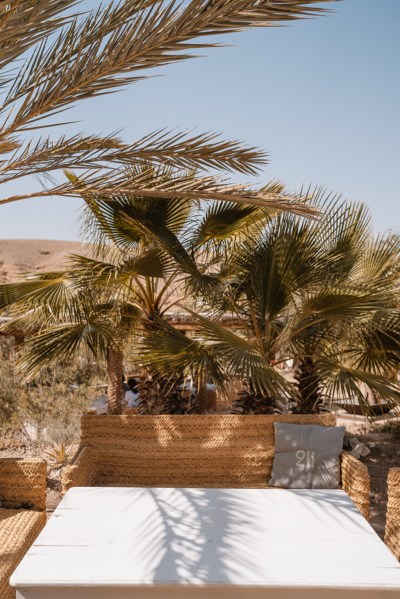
x=46, y=410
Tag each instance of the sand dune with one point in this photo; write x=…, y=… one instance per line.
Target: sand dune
x=19, y=256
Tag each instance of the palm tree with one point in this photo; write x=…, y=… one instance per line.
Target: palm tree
x=140, y=263
x=52, y=57
x=190, y=238
x=92, y=305
x=324, y=294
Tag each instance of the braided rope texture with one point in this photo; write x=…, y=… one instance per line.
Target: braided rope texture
x=356, y=482
x=18, y=530
x=392, y=530
x=82, y=472
x=22, y=485
x=179, y=451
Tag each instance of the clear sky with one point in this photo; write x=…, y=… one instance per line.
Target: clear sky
x=322, y=97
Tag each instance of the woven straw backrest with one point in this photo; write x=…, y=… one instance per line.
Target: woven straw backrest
x=23, y=483
x=186, y=451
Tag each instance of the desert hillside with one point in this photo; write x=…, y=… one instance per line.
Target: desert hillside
x=29, y=255
x=18, y=256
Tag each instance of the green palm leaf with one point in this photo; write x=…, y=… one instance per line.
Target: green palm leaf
x=168, y=351
x=63, y=341
x=242, y=359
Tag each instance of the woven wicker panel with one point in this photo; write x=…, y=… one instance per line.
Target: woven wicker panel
x=186, y=451
x=392, y=530
x=18, y=530
x=23, y=483
x=82, y=472
x=356, y=482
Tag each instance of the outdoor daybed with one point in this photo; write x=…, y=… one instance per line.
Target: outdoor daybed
x=22, y=513
x=222, y=451
x=179, y=507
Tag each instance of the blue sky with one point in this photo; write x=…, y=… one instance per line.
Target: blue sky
x=322, y=97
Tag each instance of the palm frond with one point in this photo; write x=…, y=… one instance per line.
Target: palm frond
x=63, y=342
x=241, y=358
x=381, y=260
x=375, y=347
x=202, y=151
x=79, y=151
x=128, y=221
x=24, y=323
x=225, y=220
x=23, y=23
x=91, y=57
x=150, y=263
x=37, y=288
x=168, y=351
x=343, y=303
x=92, y=152
x=343, y=233
x=183, y=187
x=274, y=267
x=345, y=382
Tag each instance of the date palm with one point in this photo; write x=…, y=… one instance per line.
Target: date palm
x=52, y=57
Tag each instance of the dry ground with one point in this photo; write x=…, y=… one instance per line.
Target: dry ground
x=18, y=256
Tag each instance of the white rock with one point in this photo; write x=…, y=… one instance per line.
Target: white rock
x=361, y=450
x=354, y=442
x=364, y=450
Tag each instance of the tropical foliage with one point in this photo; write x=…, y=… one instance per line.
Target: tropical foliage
x=321, y=294
x=53, y=55
x=147, y=255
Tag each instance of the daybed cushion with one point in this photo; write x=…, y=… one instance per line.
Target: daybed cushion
x=307, y=456
x=18, y=530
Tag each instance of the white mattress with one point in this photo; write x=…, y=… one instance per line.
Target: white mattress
x=271, y=542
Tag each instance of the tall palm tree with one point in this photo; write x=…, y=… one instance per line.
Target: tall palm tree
x=53, y=56
x=324, y=294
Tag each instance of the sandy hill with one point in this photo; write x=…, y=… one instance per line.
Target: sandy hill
x=19, y=256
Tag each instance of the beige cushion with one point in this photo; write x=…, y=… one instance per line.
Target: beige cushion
x=307, y=456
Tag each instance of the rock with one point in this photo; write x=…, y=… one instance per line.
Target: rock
x=355, y=453
x=360, y=450
x=55, y=472
x=364, y=450
x=354, y=442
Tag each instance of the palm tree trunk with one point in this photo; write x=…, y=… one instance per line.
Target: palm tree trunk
x=201, y=404
x=114, y=372
x=309, y=386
